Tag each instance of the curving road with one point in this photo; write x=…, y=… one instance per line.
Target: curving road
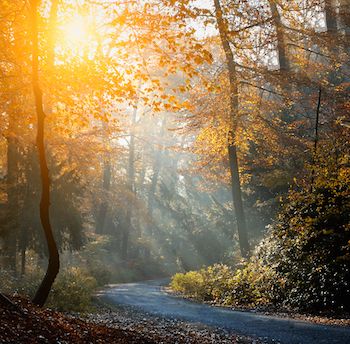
x=149, y=297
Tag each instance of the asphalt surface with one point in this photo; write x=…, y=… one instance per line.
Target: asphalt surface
x=151, y=298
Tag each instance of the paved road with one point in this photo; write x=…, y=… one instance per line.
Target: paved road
x=149, y=297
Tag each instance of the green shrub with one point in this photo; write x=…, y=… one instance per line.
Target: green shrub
x=308, y=246
x=191, y=284
x=101, y=274
x=249, y=286
x=24, y=285
x=303, y=263
x=72, y=291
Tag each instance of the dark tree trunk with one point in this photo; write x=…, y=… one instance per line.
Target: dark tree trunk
x=280, y=35
x=331, y=17
x=102, y=213
x=12, y=200
x=344, y=22
x=54, y=262
x=237, y=200
x=314, y=155
x=23, y=244
x=232, y=148
x=131, y=188
x=23, y=261
x=13, y=160
x=24, y=230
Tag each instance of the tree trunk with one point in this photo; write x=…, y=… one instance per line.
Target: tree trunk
x=232, y=148
x=13, y=159
x=331, y=17
x=23, y=261
x=101, y=216
x=12, y=200
x=154, y=180
x=54, y=263
x=131, y=187
x=238, y=204
x=344, y=22
x=281, y=44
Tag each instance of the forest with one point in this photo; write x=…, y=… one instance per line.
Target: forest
x=193, y=150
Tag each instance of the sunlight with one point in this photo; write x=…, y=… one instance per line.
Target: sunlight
x=155, y=153
x=76, y=30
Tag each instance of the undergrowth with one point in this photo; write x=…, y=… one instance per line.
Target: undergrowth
x=303, y=263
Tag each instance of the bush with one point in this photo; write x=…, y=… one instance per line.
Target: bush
x=249, y=286
x=72, y=291
x=190, y=284
x=308, y=246
x=101, y=274
x=253, y=285
x=303, y=263
x=23, y=285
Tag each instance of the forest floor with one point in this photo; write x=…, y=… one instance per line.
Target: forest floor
x=151, y=299
x=29, y=324
x=145, y=313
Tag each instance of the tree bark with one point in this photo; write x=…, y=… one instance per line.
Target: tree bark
x=13, y=163
x=54, y=262
x=23, y=261
x=344, y=22
x=101, y=216
x=12, y=199
x=232, y=148
x=331, y=17
x=281, y=44
x=131, y=187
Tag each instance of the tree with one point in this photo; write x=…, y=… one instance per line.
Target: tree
x=54, y=261
x=281, y=44
x=232, y=147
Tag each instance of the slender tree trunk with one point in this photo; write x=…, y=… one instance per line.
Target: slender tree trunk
x=154, y=180
x=23, y=261
x=138, y=208
x=24, y=230
x=131, y=188
x=314, y=155
x=238, y=203
x=12, y=200
x=338, y=23
x=106, y=183
x=331, y=17
x=54, y=263
x=344, y=21
x=13, y=167
x=232, y=148
x=281, y=44
x=102, y=213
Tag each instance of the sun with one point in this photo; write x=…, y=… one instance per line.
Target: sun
x=79, y=35
x=76, y=30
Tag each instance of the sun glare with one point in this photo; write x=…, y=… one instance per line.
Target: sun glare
x=76, y=30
